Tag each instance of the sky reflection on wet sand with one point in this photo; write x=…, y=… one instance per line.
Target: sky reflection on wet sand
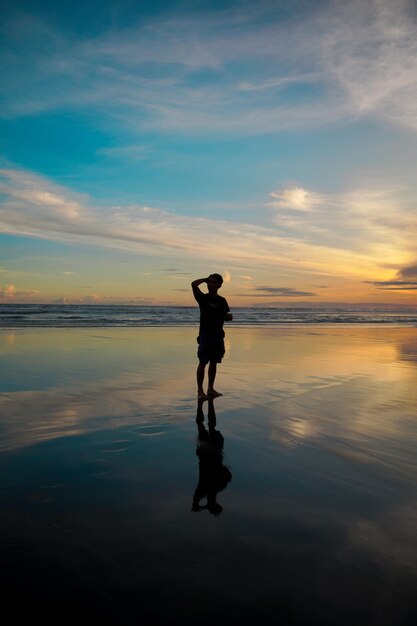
x=99, y=468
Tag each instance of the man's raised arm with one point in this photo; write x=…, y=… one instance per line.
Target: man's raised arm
x=195, y=287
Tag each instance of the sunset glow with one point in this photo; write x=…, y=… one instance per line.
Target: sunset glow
x=144, y=146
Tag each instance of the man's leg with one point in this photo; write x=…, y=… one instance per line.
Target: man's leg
x=200, y=379
x=211, y=378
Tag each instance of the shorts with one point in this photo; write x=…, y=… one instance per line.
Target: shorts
x=210, y=348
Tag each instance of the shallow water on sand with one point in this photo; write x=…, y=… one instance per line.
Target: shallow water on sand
x=309, y=460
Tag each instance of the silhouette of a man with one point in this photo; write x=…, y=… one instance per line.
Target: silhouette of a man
x=214, y=311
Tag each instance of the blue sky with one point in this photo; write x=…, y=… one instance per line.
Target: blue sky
x=145, y=144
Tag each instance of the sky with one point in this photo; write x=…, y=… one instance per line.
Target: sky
x=146, y=144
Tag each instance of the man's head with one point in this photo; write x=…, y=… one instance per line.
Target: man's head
x=214, y=282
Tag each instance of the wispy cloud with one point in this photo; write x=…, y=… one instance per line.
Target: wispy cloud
x=133, y=152
x=223, y=71
x=379, y=220
x=410, y=271
x=405, y=280
x=176, y=273
x=295, y=198
x=70, y=217
x=96, y=298
x=280, y=292
x=351, y=235
x=370, y=51
x=392, y=285
x=274, y=83
x=405, y=287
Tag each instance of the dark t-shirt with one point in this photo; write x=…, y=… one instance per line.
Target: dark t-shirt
x=213, y=310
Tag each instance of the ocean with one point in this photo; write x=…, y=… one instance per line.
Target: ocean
x=82, y=315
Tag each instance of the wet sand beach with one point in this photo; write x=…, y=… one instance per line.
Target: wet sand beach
x=101, y=457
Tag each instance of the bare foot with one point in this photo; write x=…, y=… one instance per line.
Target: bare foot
x=212, y=393
x=202, y=396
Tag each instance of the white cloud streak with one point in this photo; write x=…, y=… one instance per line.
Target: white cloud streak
x=370, y=51
x=346, y=235
x=295, y=198
x=347, y=60
x=377, y=221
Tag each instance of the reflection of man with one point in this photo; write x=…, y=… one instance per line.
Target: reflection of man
x=213, y=475
x=214, y=311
